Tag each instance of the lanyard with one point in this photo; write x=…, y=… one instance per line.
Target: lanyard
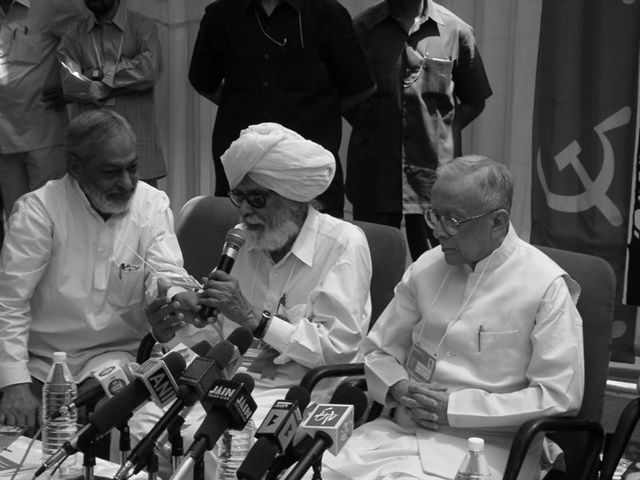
x=455, y=318
x=95, y=48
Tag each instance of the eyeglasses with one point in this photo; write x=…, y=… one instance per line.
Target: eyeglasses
x=255, y=198
x=449, y=224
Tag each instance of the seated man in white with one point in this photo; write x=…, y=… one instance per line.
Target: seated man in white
x=301, y=281
x=481, y=335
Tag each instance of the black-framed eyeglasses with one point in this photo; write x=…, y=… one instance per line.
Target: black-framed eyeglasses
x=255, y=198
x=449, y=224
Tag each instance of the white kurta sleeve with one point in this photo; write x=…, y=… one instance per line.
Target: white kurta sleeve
x=25, y=257
x=555, y=372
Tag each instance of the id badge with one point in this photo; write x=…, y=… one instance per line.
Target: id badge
x=421, y=364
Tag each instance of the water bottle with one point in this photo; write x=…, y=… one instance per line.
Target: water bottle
x=474, y=466
x=232, y=447
x=58, y=390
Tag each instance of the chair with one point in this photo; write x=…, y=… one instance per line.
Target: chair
x=581, y=437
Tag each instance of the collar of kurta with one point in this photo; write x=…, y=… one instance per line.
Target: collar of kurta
x=24, y=3
x=500, y=254
x=430, y=11
x=119, y=19
x=296, y=4
x=305, y=242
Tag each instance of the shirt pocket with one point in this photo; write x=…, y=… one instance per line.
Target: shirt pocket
x=301, y=69
x=126, y=287
x=436, y=78
x=25, y=45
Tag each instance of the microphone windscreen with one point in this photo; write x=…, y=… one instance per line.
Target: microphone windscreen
x=300, y=395
x=221, y=353
x=201, y=348
x=246, y=380
x=241, y=337
x=175, y=363
x=236, y=236
x=350, y=395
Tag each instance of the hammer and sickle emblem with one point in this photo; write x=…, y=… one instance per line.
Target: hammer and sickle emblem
x=595, y=191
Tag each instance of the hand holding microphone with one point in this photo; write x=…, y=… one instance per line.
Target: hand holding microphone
x=221, y=289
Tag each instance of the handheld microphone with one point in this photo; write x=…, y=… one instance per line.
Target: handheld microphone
x=230, y=407
x=233, y=242
x=331, y=426
x=274, y=434
x=119, y=407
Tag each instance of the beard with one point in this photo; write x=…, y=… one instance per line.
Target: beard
x=101, y=201
x=274, y=234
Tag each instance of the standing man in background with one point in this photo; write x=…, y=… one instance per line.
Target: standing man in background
x=294, y=62
x=431, y=84
x=32, y=113
x=113, y=60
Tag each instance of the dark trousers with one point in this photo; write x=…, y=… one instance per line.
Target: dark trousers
x=419, y=236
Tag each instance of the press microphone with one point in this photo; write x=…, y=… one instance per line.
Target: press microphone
x=274, y=434
x=331, y=426
x=160, y=378
x=233, y=242
x=194, y=383
x=230, y=406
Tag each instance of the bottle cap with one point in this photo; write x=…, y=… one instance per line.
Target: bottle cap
x=475, y=444
x=59, y=357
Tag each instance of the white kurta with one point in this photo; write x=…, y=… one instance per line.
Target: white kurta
x=71, y=281
x=508, y=343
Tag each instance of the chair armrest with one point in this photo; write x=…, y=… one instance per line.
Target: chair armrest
x=527, y=432
x=616, y=443
x=313, y=376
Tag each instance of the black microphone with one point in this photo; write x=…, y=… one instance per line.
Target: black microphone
x=194, y=383
x=230, y=407
x=159, y=379
x=233, y=242
x=331, y=425
x=274, y=434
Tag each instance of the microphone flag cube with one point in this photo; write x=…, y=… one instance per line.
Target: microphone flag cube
x=112, y=378
x=281, y=423
x=334, y=420
x=233, y=398
x=159, y=381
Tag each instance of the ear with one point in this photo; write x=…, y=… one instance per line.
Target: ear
x=500, y=222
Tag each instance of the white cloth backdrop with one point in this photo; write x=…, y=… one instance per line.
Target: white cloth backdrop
x=507, y=32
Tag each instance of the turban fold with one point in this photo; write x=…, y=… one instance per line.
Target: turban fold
x=281, y=160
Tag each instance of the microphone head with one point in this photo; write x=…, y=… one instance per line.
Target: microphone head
x=221, y=353
x=300, y=395
x=241, y=337
x=246, y=380
x=201, y=348
x=350, y=395
x=175, y=363
x=236, y=236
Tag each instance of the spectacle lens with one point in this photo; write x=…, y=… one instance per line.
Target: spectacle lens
x=254, y=199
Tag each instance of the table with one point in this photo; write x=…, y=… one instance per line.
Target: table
x=12, y=455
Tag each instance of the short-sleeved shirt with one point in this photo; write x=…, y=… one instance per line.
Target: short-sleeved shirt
x=408, y=127
x=291, y=67
x=29, y=35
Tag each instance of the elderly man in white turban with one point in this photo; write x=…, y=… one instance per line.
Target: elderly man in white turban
x=301, y=281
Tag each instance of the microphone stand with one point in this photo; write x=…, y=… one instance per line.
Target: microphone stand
x=89, y=461
x=124, y=445
x=176, y=441
x=198, y=468
x=152, y=465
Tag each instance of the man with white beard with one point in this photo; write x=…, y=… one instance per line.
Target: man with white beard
x=300, y=283
x=82, y=259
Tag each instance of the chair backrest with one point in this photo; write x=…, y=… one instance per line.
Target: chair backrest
x=388, y=260
x=202, y=223
x=596, y=304
x=201, y=226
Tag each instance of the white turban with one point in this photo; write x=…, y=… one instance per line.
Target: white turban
x=281, y=160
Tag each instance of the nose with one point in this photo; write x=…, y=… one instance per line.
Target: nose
x=438, y=231
x=127, y=180
x=245, y=208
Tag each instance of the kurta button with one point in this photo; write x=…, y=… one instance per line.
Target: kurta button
x=266, y=56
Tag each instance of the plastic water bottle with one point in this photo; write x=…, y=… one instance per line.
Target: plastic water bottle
x=474, y=466
x=232, y=447
x=58, y=390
